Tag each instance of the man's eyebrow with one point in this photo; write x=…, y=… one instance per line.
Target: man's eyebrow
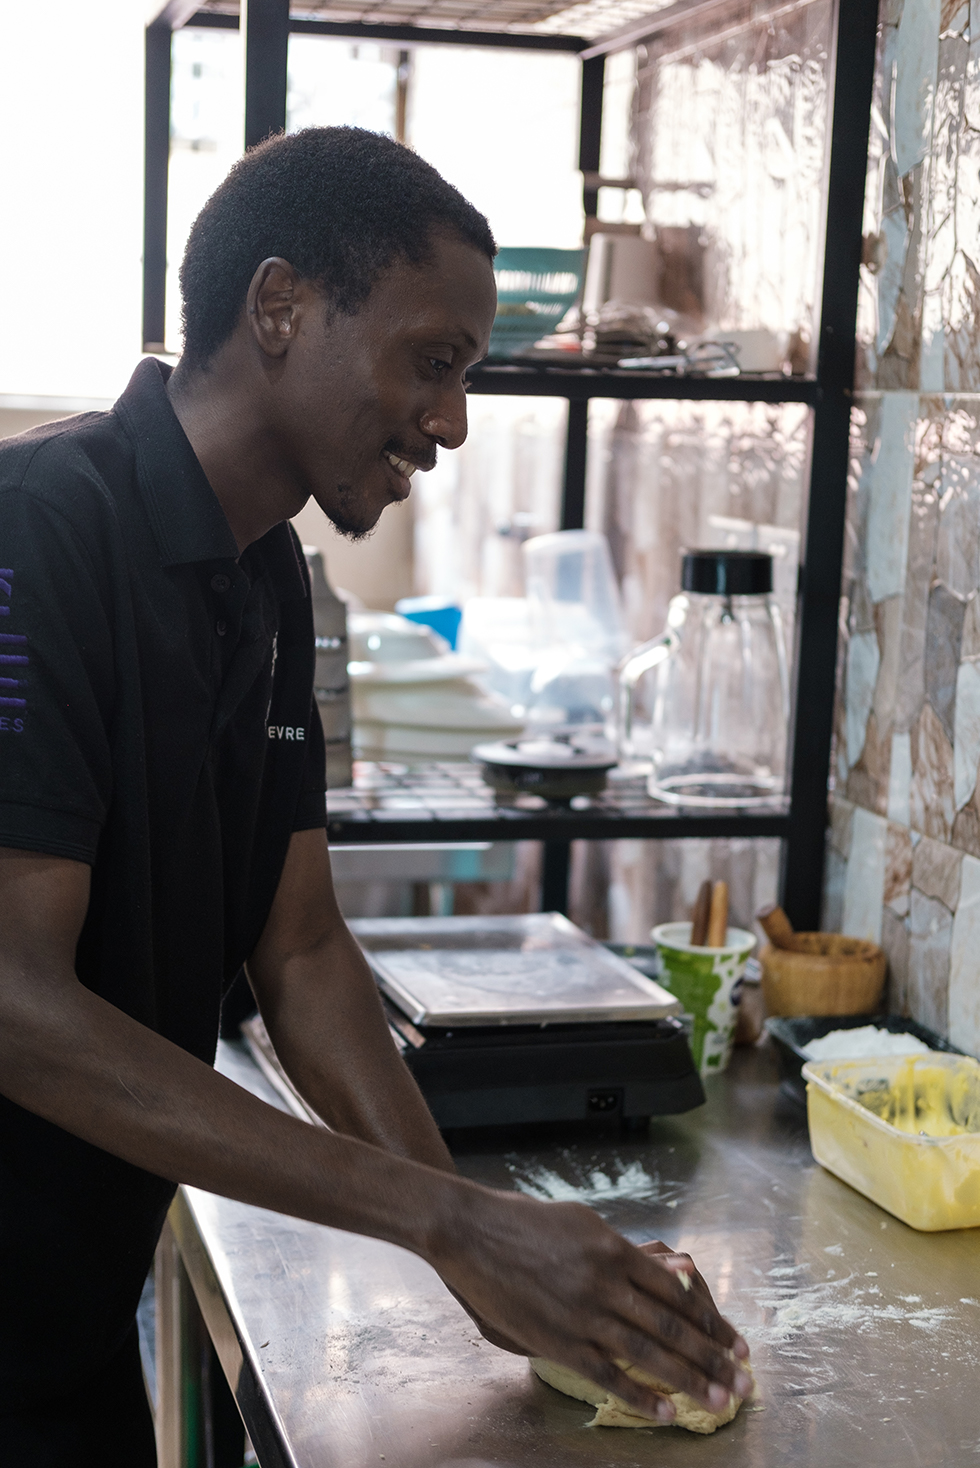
x=458, y=338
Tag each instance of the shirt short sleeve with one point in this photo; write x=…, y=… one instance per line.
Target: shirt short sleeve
x=311, y=808
x=56, y=682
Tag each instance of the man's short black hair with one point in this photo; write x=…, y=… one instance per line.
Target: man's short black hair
x=339, y=203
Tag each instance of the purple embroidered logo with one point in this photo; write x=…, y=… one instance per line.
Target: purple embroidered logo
x=13, y=655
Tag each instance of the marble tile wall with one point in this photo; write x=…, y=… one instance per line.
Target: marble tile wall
x=918, y=311
x=905, y=836
x=904, y=857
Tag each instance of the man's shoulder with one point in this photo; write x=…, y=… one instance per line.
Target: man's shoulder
x=73, y=467
x=79, y=436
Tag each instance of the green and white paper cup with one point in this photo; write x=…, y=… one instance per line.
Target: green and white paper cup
x=707, y=981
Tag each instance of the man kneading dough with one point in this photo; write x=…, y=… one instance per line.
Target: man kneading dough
x=612, y=1411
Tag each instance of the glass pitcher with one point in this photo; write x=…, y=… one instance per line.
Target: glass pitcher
x=705, y=706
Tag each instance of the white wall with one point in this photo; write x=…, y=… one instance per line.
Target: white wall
x=71, y=181
x=503, y=127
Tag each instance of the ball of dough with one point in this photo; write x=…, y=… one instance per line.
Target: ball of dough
x=612, y=1411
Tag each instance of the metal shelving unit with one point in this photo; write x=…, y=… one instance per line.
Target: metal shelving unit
x=406, y=809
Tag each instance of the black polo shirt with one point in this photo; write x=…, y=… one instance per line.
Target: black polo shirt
x=156, y=723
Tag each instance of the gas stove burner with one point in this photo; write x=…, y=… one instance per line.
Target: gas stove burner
x=557, y=767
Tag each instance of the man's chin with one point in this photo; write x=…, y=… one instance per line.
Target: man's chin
x=350, y=530
x=352, y=519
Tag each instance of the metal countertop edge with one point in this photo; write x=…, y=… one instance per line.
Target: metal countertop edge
x=264, y=1426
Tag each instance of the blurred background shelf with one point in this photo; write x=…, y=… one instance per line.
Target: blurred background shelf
x=579, y=384
x=451, y=802
x=838, y=178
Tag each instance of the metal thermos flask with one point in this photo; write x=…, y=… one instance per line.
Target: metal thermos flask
x=331, y=685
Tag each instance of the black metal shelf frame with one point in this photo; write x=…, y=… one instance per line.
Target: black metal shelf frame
x=581, y=384
x=267, y=25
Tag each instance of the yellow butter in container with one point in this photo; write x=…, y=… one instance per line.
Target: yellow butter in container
x=902, y=1130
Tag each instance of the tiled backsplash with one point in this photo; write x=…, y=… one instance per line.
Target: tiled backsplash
x=904, y=859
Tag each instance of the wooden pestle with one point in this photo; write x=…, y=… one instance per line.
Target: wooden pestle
x=778, y=929
x=718, y=918
x=700, y=915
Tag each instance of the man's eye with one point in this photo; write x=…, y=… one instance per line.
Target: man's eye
x=439, y=364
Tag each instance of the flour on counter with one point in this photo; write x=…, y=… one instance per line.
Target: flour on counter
x=839, y=1304
x=860, y=1043
x=632, y=1185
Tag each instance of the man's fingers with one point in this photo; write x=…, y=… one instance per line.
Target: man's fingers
x=655, y=1246
x=683, y=1264
x=671, y=1329
x=653, y=1277
x=643, y=1399
x=676, y=1358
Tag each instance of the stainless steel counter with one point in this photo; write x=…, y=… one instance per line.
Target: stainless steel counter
x=349, y=1353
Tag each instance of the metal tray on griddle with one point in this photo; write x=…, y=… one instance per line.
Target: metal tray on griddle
x=532, y=969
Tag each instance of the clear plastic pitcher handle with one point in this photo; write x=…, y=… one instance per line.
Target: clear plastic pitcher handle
x=631, y=670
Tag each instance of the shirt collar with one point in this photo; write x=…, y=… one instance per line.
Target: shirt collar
x=187, y=520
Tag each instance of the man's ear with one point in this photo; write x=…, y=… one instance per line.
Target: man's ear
x=274, y=305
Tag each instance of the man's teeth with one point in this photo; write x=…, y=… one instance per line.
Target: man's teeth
x=402, y=465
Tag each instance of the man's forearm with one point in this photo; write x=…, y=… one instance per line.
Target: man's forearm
x=328, y=1027
x=76, y=1060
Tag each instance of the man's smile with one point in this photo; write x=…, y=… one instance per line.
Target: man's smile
x=403, y=466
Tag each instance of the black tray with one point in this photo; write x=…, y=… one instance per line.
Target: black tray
x=790, y=1035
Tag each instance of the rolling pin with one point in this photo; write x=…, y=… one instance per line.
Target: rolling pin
x=718, y=917
x=778, y=929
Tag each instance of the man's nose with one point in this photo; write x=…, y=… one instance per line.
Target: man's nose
x=445, y=421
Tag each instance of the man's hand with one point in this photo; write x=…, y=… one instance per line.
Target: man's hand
x=551, y=1279
x=682, y=1265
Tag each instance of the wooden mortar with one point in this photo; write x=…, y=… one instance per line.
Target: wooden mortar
x=829, y=974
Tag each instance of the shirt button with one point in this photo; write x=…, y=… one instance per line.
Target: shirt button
x=221, y=628
x=220, y=583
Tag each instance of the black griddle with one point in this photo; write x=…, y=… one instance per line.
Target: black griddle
x=498, y=1071
x=625, y=1070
